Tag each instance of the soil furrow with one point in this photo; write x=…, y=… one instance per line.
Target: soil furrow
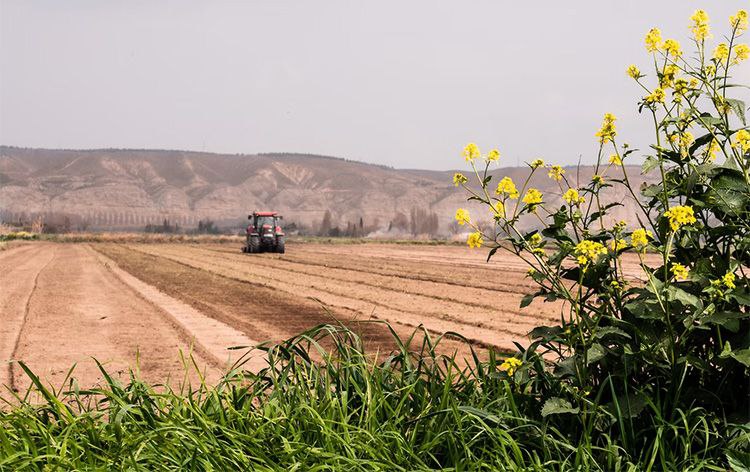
x=80, y=311
x=466, y=296
x=361, y=299
x=248, y=307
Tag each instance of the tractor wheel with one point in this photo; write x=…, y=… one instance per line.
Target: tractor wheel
x=280, y=245
x=253, y=245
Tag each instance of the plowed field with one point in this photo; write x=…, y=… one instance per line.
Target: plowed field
x=140, y=304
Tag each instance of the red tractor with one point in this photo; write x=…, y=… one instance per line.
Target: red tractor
x=264, y=234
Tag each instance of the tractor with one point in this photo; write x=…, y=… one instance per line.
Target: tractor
x=264, y=234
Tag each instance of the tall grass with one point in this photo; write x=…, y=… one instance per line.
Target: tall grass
x=322, y=408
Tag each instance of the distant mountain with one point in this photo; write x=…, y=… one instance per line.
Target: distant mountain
x=127, y=189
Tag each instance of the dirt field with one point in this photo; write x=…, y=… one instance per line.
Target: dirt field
x=62, y=304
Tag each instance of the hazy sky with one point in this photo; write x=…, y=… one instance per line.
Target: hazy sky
x=402, y=83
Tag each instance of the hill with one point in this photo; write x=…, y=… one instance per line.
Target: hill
x=115, y=189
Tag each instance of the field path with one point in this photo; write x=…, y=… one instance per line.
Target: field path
x=76, y=309
x=19, y=272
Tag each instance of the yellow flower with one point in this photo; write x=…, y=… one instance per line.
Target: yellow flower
x=597, y=180
x=614, y=159
x=657, y=96
x=633, y=71
x=728, y=280
x=459, y=178
x=713, y=148
x=721, y=53
x=668, y=76
x=639, y=238
x=738, y=22
x=572, y=197
x=471, y=152
x=535, y=240
x=681, y=88
x=588, y=251
x=653, y=40
x=507, y=188
x=462, y=216
x=537, y=163
x=742, y=140
x=710, y=70
x=493, y=155
x=556, y=173
x=510, y=365
x=680, y=216
x=608, y=131
x=617, y=245
x=672, y=47
x=498, y=209
x=686, y=139
x=700, y=26
x=533, y=197
x=474, y=239
x=741, y=53
x=716, y=285
x=680, y=272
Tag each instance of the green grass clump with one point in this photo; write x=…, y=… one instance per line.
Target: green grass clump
x=330, y=408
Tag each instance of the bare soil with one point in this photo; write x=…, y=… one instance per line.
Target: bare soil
x=65, y=309
x=136, y=306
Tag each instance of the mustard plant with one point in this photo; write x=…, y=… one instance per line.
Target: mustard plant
x=652, y=358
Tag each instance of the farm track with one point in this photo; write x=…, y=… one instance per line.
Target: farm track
x=487, y=317
x=62, y=308
x=19, y=273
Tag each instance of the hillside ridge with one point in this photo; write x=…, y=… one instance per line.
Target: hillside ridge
x=118, y=189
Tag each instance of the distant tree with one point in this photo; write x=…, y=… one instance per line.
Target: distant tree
x=326, y=225
x=207, y=227
x=400, y=221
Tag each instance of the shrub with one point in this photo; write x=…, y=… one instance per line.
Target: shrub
x=658, y=364
x=22, y=235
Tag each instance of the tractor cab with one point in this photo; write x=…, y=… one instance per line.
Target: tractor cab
x=264, y=233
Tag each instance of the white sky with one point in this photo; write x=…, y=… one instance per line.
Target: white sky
x=402, y=83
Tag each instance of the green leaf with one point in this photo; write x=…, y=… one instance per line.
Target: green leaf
x=742, y=297
x=729, y=191
x=629, y=406
x=707, y=121
x=545, y=332
x=645, y=309
x=677, y=294
x=726, y=319
x=566, y=367
x=742, y=356
x=739, y=107
x=492, y=253
x=557, y=406
x=595, y=353
x=649, y=164
x=606, y=331
x=527, y=299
